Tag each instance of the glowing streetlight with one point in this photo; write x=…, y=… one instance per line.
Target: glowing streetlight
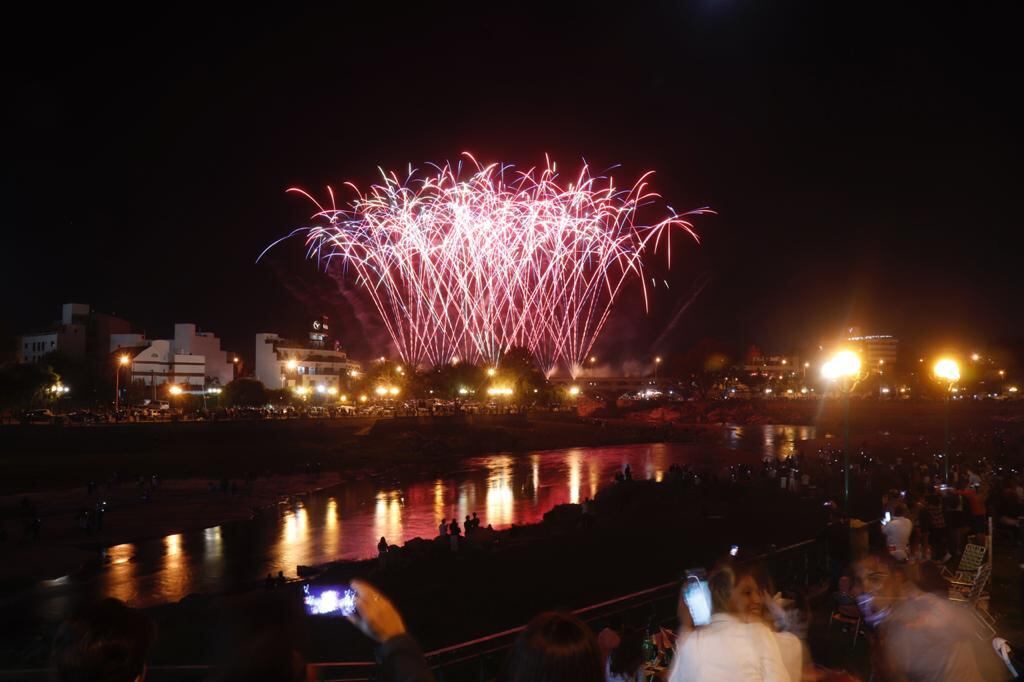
x=362, y=398
x=332, y=390
x=947, y=370
x=291, y=364
x=574, y=391
x=381, y=390
x=122, y=361
x=843, y=368
x=657, y=364
x=491, y=371
x=321, y=389
x=174, y=390
x=353, y=374
x=393, y=391
x=975, y=357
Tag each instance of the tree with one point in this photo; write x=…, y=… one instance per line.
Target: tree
x=25, y=385
x=244, y=393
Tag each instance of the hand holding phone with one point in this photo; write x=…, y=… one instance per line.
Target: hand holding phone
x=374, y=614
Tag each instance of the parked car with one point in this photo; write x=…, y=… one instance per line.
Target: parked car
x=83, y=417
x=41, y=416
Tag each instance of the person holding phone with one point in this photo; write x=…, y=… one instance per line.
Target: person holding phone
x=735, y=644
x=398, y=654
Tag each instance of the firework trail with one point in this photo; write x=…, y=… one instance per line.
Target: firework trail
x=467, y=267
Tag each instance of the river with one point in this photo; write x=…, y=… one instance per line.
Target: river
x=346, y=522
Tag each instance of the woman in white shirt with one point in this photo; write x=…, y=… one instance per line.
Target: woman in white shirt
x=736, y=646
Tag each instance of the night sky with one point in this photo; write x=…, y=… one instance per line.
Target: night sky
x=864, y=159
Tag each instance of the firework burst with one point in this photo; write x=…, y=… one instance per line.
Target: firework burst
x=467, y=265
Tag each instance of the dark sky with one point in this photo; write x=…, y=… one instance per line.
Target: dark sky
x=864, y=158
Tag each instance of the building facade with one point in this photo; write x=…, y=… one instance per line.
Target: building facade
x=80, y=333
x=191, y=358
x=281, y=363
x=878, y=352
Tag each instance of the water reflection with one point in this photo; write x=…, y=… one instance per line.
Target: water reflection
x=346, y=522
x=774, y=442
x=500, y=498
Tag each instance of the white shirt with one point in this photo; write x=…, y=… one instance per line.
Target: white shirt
x=729, y=650
x=792, y=651
x=897, y=536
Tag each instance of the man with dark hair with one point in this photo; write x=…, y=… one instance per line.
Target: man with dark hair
x=107, y=643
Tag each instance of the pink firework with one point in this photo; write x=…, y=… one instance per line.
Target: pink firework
x=467, y=267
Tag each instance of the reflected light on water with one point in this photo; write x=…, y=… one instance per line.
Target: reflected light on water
x=535, y=478
x=120, y=573
x=174, y=579
x=332, y=531
x=387, y=516
x=500, y=498
x=574, y=476
x=438, y=501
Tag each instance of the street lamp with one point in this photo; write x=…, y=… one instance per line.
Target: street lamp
x=947, y=371
x=843, y=369
x=122, y=361
x=657, y=363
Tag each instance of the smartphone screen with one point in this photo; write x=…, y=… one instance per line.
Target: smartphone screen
x=887, y=518
x=697, y=596
x=324, y=601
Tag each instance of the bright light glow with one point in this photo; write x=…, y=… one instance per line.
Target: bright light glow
x=174, y=389
x=784, y=361
x=124, y=360
x=471, y=263
x=332, y=390
x=806, y=365
x=393, y=390
x=975, y=357
x=885, y=390
x=300, y=390
x=236, y=359
x=463, y=390
x=362, y=398
x=291, y=364
x=947, y=369
x=767, y=390
x=343, y=398
x=844, y=364
x=381, y=390
x=804, y=390
x=214, y=390
x=574, y=391
x=657, y=360
x=491, y=371
x=320, y=388
x=789, y=391
x=1002, y=372
x=352, y=373
x=400, y=370
x=499, y=391
x=1013, y=389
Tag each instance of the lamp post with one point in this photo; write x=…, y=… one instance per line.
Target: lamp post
x=122, y=361
x=843, y=369
x=947, y=371
x=657, y=364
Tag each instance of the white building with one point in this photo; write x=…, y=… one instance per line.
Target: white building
x=289, y=364
x=157, y=364
x=80, y=332
x=878, y=352
x=191, y=357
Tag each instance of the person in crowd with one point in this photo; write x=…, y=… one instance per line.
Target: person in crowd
x=555, y=647
x=468, y=525
x=398, y=654
x=382, y=550
x=609, y=637
x=787, y=625
x=897, y=533
x=938, y=533
x=626, y=662
x=476, y=521
x=109, y=642
x=921, y=636
x=736, y=644
x=453, y=532
x=268, y=584
x=974, y=504
x=442, y=528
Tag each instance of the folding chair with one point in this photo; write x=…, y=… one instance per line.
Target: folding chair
x=973, y=595
x=972, y=558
